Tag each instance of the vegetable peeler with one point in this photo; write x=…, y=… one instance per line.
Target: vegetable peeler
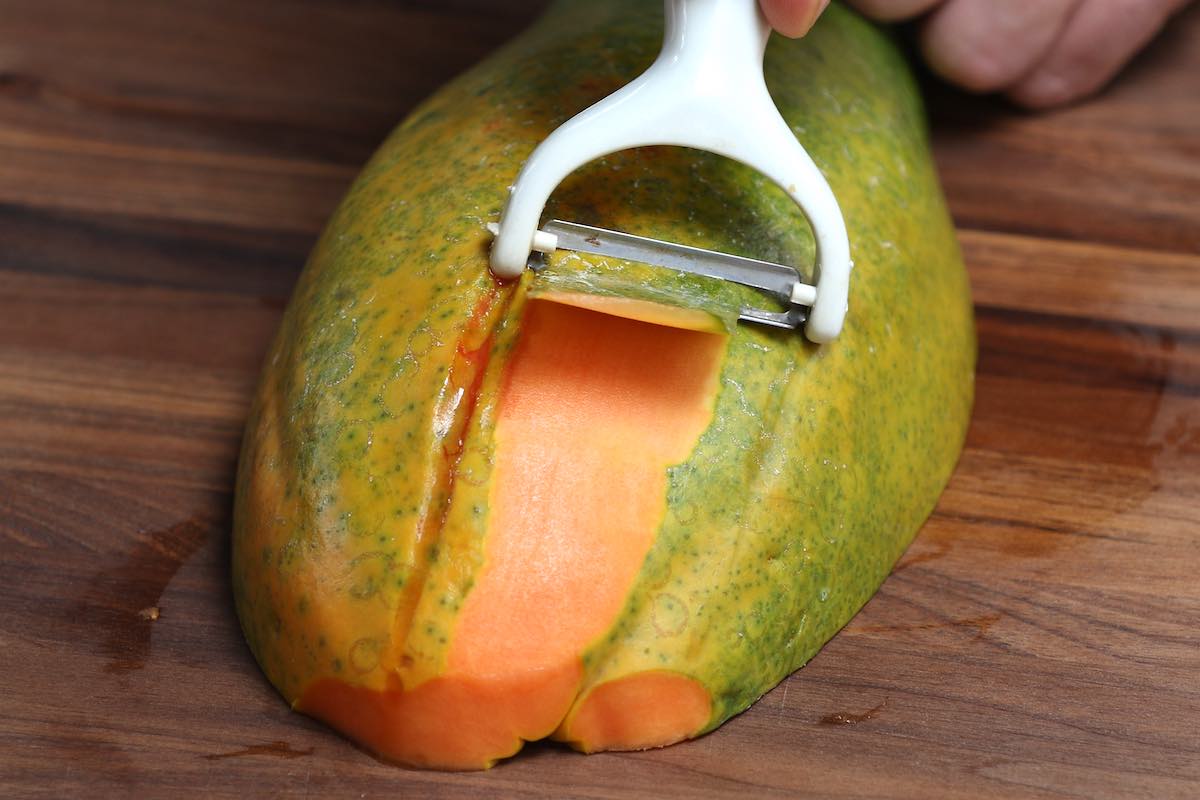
x=706, y=91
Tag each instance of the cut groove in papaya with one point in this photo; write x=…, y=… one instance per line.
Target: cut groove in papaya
x=593, y=410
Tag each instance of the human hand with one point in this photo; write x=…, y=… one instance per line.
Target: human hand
x=1040, y=53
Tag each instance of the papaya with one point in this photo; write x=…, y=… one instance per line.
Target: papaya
x=587, y=504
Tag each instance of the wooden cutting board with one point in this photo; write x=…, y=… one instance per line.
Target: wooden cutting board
x=164, y=169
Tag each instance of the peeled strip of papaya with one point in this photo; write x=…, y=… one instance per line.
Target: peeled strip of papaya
x=587, y=504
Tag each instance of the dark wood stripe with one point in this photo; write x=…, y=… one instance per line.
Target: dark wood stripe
x=131, y=251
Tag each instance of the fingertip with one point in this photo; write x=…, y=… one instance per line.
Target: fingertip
x=1100, y=39
x=1044, y=90
x=972, y=70
x=984, y=46
x=793, y=18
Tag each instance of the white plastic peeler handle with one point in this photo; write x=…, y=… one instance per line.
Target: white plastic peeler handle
x=705, y=90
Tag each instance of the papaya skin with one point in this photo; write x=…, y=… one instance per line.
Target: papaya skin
x=366, y=499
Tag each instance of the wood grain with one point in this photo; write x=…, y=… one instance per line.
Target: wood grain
x=164, y=169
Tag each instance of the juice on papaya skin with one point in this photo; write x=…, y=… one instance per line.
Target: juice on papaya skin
x=454, y=532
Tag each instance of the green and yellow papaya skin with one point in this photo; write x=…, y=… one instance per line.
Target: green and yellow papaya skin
x=588, y=504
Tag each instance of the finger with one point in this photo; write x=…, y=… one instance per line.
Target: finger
x=793, y=17
x=987, y=45
x=894, y=10
x=1099, y=39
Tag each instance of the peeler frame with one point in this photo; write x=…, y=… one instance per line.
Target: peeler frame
x=705, y=90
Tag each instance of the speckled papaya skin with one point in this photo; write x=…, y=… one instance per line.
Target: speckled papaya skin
x=362, y=497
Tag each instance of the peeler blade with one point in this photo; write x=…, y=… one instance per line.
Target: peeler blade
x=776, y=280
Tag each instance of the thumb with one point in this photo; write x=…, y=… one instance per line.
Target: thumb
x=793, y=17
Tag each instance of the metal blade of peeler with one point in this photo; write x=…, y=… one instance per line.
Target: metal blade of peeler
x=775, y=279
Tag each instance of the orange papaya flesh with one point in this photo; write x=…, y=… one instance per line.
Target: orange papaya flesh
x=458, y=721
x=636, y=712
x=593, y=409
